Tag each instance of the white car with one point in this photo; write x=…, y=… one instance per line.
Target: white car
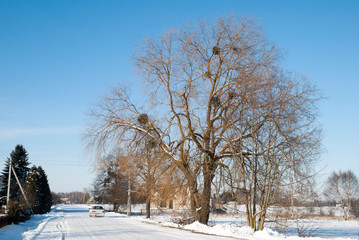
x=97, y=211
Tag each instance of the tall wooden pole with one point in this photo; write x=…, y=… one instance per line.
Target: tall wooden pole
x=129, y=196
x=22, y=190
x=8, y=183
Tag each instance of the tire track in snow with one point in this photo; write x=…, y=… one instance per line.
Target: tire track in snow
x=55, y=217
x=63, y=228
x=34, y=234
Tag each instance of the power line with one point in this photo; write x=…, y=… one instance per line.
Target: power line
x=3, y=153
x=52, y=163
x=1, y=148
x=65, y=163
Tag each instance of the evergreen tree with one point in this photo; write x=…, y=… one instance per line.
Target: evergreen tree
x=20, y=163
x=44, y=198
x=37, y=190
x=31, y=187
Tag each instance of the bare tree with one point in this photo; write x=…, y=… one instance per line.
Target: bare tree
x=110, y=184
x=343, y=188
x=149, y=164
x=281, y=150
x=141, y=169
x=201, y=81
x=197, y=75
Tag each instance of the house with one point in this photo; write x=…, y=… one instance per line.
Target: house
x=65, y=200
x=177, y=201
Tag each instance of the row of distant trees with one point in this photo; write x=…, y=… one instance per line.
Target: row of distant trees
x=37, y=195
x=76, y=197
x=217, y=107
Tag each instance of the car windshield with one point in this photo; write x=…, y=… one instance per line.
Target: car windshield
x=97, y=207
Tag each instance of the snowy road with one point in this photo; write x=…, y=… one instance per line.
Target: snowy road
x=73, y=222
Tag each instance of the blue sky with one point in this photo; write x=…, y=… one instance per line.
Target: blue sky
x=58, y=57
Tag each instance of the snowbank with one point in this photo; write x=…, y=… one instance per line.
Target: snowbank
x=235, y=230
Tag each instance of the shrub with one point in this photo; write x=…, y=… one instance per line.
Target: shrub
x=355, y=208
x=17, y=213
x=306, y=229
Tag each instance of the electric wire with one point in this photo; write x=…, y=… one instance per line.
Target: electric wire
x=3, y=153
x=4, y=157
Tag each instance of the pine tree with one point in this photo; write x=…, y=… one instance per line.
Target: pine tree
x=37, y=190
x=44, y=197
x=4, y=182
x=20, y=163
x=31, y=187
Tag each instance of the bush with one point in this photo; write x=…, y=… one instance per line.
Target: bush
x=24, y=214
x=306, y=229
x=355, y=208
x=183, y=218
x=17, y=213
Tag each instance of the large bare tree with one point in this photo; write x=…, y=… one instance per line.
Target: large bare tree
x=201, y=81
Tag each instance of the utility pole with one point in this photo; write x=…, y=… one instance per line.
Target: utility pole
x=18, y=182
x=291, y=191
x=129, y=196
x=22, y=190
x=8, y=183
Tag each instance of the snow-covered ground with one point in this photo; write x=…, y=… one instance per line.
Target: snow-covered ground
x=235, y=225
x=318, y=229
x=73, y=222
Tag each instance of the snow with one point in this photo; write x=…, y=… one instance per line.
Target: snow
x=234, y=225
x=245, y=232
x=73, y=222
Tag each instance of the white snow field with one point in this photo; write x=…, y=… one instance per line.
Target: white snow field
x=73, y=222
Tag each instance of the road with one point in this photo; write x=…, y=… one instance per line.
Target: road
x=73, y=222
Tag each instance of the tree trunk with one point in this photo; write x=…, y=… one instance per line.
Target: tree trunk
x=344, y=212
x=115, y=208
x=202, y=214
x=148, y=207
x=251, y=220
x=261, y=220
x=194, y=199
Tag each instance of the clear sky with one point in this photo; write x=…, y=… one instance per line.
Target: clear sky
x=58, y=57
